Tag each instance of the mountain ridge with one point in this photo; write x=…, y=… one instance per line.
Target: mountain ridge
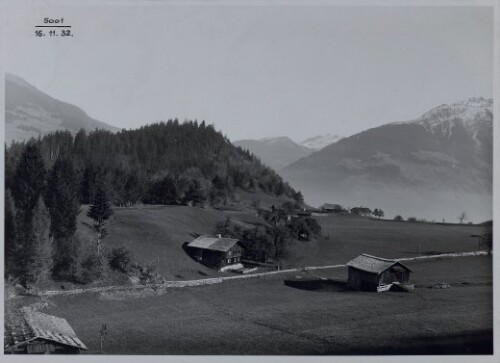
x=30, y=112
x=276, y=152
x=441, y=153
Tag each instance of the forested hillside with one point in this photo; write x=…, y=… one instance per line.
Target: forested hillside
x=167, y=163
x=164, y=163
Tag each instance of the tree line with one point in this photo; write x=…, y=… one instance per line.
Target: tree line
x=163, y=163
x=41, y=209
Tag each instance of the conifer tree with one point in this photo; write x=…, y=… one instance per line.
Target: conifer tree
x=29, y=180
x=64, y=206
x=41, y=265
x=100, y=211
x=28, y=186
x=11, y=247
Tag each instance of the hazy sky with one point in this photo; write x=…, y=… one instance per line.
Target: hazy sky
x=256, y=71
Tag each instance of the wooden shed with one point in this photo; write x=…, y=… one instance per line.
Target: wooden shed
x=216, y=251
x=372, y=273
x=39, y=333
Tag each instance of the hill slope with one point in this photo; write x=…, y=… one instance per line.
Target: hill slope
x=276, y=152
x=164, y=163
x=158, y=232
x=434, y=167
x=29, y=112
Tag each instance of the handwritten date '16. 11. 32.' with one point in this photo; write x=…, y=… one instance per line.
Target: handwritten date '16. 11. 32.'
x=53, y=28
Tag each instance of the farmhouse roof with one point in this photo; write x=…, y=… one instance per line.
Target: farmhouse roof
x=214, y=243
x=373, y=264
x=36, y=325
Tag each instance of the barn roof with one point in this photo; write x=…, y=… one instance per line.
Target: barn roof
x=373, y=264
x=213, y=243
x=38, y=325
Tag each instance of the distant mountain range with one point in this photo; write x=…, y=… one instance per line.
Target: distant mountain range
x=433, y=167
x=278, y=152
x=30, y=112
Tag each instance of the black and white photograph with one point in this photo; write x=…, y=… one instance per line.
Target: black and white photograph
x=281, y=179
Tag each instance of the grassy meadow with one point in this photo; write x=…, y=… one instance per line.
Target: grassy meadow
x=155, y=234
x=264, y=316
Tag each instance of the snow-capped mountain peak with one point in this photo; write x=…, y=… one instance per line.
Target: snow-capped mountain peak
x=470, y=114
x=465, y=110
x=320, y=141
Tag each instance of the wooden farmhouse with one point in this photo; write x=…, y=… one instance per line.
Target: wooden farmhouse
x=39, y=333
x=372, y=273
x=216, y=252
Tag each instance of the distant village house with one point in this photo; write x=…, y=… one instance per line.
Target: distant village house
x=303, y=212
x=361, y=211
x=372, y=273
x=331, y=208
x=39, y=333
x=216, y=252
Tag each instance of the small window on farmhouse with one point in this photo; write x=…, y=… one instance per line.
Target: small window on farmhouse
x=228, y=260
x=229, y=253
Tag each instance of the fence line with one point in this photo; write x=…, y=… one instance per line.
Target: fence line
x=218, y=280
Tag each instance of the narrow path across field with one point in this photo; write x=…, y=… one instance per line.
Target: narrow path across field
x=209, y=281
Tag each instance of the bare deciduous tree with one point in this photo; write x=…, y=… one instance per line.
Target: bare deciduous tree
x=462, y=217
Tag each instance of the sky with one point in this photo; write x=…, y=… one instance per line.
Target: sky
x=255, y=71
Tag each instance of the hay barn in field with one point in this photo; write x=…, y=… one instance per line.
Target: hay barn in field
x=39, y=333
x=216, y=251
x=372, y=273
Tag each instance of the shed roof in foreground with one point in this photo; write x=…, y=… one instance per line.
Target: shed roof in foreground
x=38, y=325
x=213, y=243
x=373, y=264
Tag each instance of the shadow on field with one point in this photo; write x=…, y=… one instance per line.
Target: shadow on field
x=468, y=342
x=320, y=284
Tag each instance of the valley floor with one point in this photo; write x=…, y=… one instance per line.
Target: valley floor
x=265, y=316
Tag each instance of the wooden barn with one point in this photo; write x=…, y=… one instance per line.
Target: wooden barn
x=373, y=273
x=39, y=333
x=216, y=251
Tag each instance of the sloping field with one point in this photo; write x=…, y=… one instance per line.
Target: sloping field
x=155, y=234
x=346, y=236
x=264, y=316
x=158, y=232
